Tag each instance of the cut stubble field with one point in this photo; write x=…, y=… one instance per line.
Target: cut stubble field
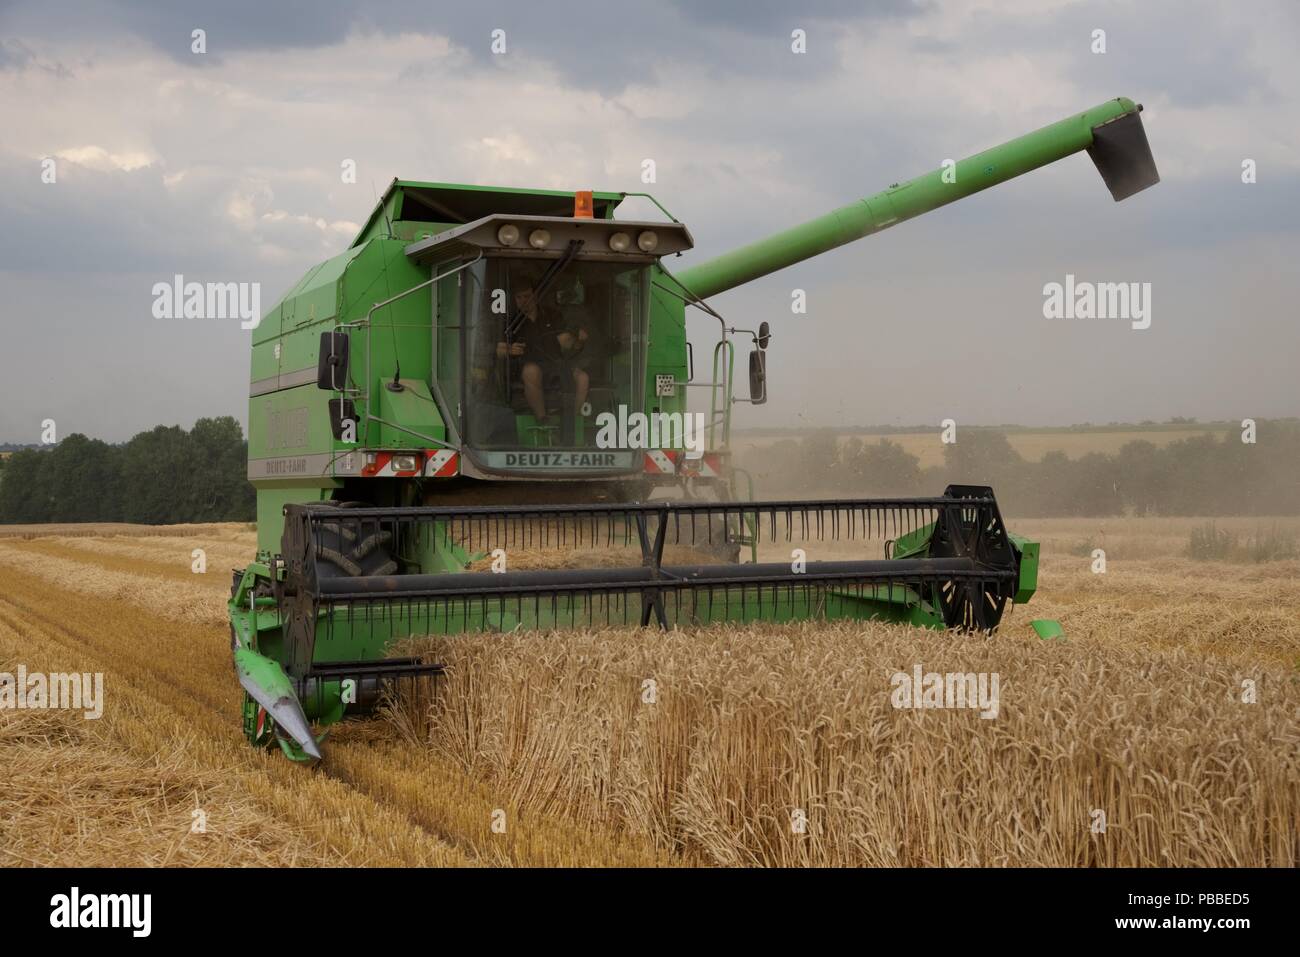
x=754, y=745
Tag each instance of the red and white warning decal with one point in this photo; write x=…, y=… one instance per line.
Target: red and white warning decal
x=672, y=461
x=442, y=463
x=661, y=462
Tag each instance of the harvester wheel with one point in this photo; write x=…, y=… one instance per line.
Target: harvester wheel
x=344, y=552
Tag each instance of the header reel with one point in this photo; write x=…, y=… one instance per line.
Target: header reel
x=953, y=565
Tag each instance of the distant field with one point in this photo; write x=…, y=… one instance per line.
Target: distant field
x=1031, y=445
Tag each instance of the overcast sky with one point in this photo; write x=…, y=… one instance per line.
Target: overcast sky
x=225, y=166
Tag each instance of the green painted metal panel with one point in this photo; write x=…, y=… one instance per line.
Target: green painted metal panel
x=314, y=296
x=289, y=422
x=271, y=500
x=665, y=344
x=1028, y=583
x=914, y=544
x=1048, y=628
x=415, y=410
x=265, y=361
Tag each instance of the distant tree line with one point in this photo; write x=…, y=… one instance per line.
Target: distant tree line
x=168, y=475
x=160, y=477
x=1199, y=475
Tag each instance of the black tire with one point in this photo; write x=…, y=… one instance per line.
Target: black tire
x=345, y=551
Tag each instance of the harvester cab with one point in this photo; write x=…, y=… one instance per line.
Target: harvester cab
x=543, y=332
x=504, y=373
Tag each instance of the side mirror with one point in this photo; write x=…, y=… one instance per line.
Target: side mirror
x=332, y=365
x=758, y=377
x=764, y=335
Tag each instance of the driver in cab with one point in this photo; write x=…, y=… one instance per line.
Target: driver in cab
x=548, y=347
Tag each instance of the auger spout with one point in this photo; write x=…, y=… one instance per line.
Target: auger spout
x=1112, y=133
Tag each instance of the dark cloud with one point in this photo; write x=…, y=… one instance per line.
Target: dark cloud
x=588, y=41
x=90, y=221
x=767, y=16
x=16, y=55
x=230, y=24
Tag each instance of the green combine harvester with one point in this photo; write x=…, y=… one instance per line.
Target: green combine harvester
x=487, y=372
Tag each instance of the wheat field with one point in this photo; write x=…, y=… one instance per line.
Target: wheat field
x=732, y=746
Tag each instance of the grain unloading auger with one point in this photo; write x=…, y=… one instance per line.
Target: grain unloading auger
x=506, y=374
